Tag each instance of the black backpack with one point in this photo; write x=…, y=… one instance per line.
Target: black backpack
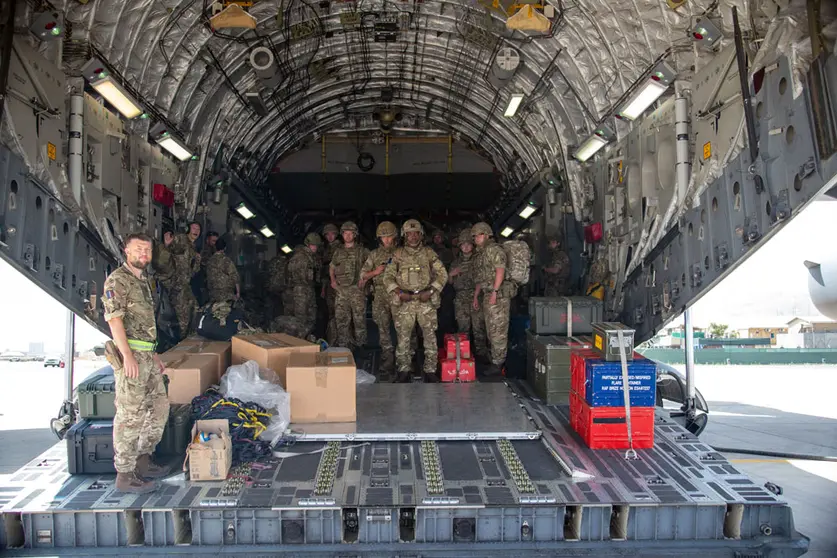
x=210, y=327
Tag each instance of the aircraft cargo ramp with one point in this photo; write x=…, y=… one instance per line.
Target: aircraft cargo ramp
x=482, y=497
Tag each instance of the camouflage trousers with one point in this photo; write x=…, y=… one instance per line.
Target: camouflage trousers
x=382, y=314
x=301, y=303
x=497, y=325
x=468, y=319
x=221, y=295
x=406, y=315
x=331, y=304
x=142, y=411
x=556, y=287
x=274, y=305
x=350, y=309
x=184, y=304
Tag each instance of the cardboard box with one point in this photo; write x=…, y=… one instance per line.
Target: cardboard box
x=200, y=346
x=270, y=350
x=322, y=387
x=189, y=375
x=210, y=461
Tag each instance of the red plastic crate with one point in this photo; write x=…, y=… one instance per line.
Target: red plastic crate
x=451, y=339
x=607, y=427
x=163, y=195
x=467, y=370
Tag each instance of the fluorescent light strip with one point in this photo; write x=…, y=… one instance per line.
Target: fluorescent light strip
x=514, y=104
x=117, y=97
x=175, y=148
x=589, y=148
x=507, y=232
x=245, y=212
x=528, y=211
x=266, y=232
x=286, y=249
x=643, y=99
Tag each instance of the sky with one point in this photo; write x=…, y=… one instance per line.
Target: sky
x=771, y=284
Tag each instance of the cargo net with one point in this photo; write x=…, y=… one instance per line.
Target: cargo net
x=247, y=422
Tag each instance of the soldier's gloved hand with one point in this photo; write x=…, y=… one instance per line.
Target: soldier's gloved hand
x=425, y=295
x=405, y=297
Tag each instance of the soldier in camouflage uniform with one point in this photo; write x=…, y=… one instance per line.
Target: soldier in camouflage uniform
x=186, y=264
x=331, y=234
x=350, y=300
x=493, y=294
x=303, y=273
x=373, y=270
x=461, y=276
x=415, y=279
x=142, y=405
x=163, y=262
x=222, y=280
x=276, y=283
x=557, y=271
x=445, y=254
x=210, y=246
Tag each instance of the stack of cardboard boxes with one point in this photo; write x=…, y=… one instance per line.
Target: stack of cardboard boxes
x=321, y=386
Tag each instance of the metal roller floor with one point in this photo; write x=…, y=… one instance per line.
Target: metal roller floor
x=680, y=496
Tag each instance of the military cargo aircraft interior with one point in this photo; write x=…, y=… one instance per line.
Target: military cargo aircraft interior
x=655, y=143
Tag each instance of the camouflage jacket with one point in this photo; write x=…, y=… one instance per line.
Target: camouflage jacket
x=379, y=256
x=221, y=274
x=302, y=268
x=163, y=264
x=131, y=298
x=347, y=263
x=445, y=254
x=206, y=252
x=464, y=281
x=415, y=269
x=560, y=260
x=277, y=274
x=185, y=257
x=488, y=259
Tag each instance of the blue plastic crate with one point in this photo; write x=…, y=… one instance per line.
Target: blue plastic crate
x=603, y=386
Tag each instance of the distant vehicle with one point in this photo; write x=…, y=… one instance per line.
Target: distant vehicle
x=56, y=362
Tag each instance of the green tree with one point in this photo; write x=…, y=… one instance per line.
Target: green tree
x=718, y=330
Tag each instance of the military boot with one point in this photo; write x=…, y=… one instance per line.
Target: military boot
x=147, y=469
x=431, y=378
x=131, y=483
x=492, y=373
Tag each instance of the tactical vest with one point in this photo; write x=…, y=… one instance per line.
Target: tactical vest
x=347, y=264
x=413, y=271
x=465, y=280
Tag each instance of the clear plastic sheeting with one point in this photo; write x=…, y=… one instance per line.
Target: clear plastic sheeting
x=248, y=383
x=364, y=377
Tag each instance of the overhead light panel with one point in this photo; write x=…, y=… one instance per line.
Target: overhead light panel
x=174, y=146
x=266, y=232
x=514, y=104
x=528, y=211
x=601, y=137
x=656, y=84
x=507, y=232
x=100, y=79
x=244, y=211
x=286, y=249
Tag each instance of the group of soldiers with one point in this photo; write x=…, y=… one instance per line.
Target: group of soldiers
x=176, y=262
x=406, y=281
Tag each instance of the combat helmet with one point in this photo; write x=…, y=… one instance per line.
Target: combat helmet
x=313, y=238
x=348, y=226
x=481, y=228
x=411, y=225
x=386, y=229
x=330, y=228
x=465, y=236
